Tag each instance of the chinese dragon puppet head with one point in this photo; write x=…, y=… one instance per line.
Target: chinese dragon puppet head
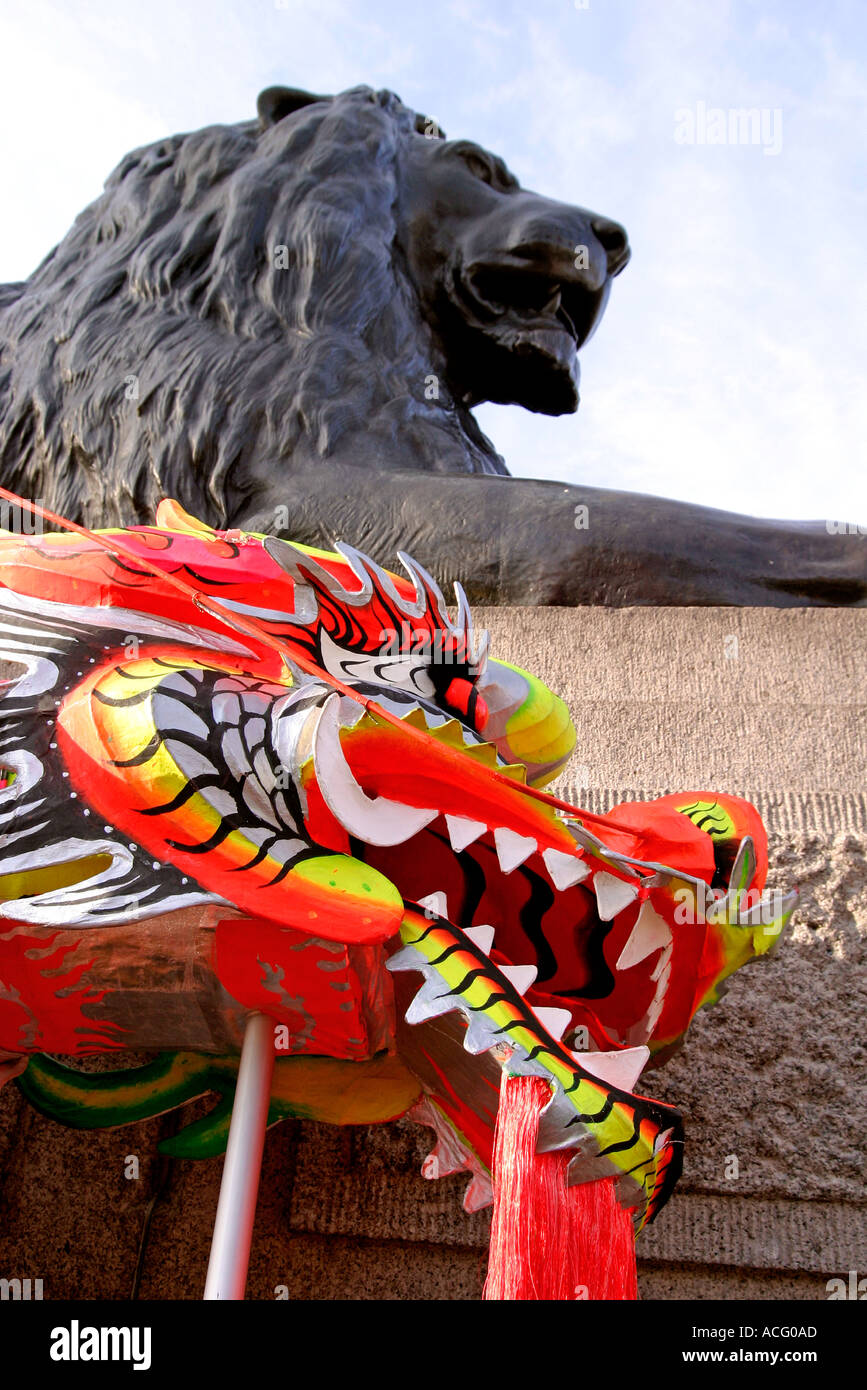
x=242, y=775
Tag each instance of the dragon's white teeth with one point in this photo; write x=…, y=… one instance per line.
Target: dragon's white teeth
x=463, y=832
x=642, y=1031
x=653, y=1015
x=519, y=976
x=612, y=894
x=437, y=904
x=512, y=848
x=482, y=936
x=620, y=1069
x=555, y=1021
x=662, y=970
x=649, y=933
x=565, y=869
x=375, y=820
x=662, y=976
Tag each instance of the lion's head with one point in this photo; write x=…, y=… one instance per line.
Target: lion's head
x=512, y=283
x=336, y=281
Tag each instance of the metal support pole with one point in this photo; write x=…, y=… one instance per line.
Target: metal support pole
x=239, y=1188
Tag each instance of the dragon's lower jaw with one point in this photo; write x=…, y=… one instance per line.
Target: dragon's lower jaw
x=602, y=936
x=499, y=902
x=470, y=1019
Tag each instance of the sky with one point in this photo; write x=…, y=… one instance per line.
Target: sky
x=730, y=366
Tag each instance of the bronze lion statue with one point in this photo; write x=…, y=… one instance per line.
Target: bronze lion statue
x=285, y=324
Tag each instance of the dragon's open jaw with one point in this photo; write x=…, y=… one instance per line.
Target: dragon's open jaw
x=507, y=919
x=538, y=913
x=486, y=948
x=557, y=949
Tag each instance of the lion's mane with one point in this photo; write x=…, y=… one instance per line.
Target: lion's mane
x=159, y=348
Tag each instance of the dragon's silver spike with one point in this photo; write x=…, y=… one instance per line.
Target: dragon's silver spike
x=368, y=571
x=290, y=559
x=476, y=645
x=424, y=582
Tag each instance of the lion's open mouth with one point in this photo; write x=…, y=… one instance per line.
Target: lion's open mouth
x=525, y=329
x=532, y=296
x=533, y=299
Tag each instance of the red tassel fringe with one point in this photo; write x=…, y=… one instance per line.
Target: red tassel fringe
x=549, y=1240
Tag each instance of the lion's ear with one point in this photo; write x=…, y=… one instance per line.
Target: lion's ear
x=276, y=102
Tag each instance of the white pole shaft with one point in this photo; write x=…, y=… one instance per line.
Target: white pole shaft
x=239, y=1187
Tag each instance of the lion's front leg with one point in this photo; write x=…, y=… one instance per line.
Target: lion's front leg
x=525, y=541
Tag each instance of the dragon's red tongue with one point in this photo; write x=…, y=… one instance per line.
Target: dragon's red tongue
x=550, y=1240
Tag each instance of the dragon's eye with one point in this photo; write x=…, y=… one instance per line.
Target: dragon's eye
x=462, y=696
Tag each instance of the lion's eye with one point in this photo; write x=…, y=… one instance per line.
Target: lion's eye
x=478, y=165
